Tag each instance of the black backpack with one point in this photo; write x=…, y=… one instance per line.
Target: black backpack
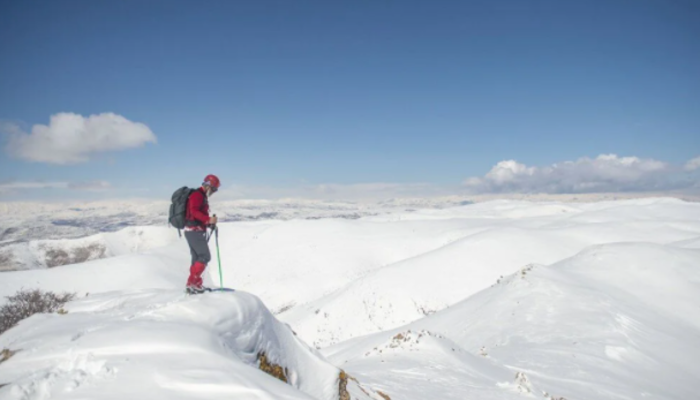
x=178, y=208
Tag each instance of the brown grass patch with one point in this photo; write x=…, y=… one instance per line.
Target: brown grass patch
x=6, y=354
x=26, y=303
x=343, y=386
x=384, y=395
x=271, y=368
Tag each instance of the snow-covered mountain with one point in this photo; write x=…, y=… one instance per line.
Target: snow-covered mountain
x=40, y=221
x=503, y=299
x=467, y=249
x=25, y=221
x=615, y=321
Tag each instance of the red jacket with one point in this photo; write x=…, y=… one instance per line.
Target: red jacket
x=197, y=216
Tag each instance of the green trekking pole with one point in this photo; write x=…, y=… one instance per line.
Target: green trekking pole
x=218, y=257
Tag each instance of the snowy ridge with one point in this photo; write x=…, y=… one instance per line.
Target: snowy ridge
x=161, y=344
x=615, y=321
x=479, y=244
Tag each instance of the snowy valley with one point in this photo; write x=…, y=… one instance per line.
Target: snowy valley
x=501, y=299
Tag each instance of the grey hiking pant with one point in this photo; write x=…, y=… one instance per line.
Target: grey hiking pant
x=199, y=248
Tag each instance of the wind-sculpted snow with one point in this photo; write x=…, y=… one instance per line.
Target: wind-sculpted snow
x=161, y=344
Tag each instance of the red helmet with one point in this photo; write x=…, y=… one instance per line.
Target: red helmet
x=212, y=181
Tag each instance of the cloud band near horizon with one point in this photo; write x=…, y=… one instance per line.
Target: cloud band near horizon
x=606, y=173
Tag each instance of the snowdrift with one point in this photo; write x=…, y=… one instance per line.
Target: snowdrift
x=617, y=321
x=161, y=344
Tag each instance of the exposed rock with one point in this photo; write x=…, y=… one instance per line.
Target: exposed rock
x=6, y=261
x=60, y=257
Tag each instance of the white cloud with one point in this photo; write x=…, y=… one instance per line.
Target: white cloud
x=14, y=186
x=606, y=173
x=693, y=164
x=71, y=138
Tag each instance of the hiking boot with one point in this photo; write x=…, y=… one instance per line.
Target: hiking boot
x=195, y=289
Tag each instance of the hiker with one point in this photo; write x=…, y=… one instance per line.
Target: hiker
x=197, y=220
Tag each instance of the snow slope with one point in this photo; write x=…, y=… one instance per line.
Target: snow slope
x=618, y=321
x=480, y=244
x=161, y=344
x=613, y=315
x=384, y=271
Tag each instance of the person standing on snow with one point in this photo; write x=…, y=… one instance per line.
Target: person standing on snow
x=196, y=222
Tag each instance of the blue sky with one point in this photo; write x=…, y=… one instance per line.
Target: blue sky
x=279, y=97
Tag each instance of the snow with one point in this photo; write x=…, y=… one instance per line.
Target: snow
x=477, y=247
x=161, y=344
x=24, y=221
x=496, y=300
x=51, y=253
x=615, y=321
